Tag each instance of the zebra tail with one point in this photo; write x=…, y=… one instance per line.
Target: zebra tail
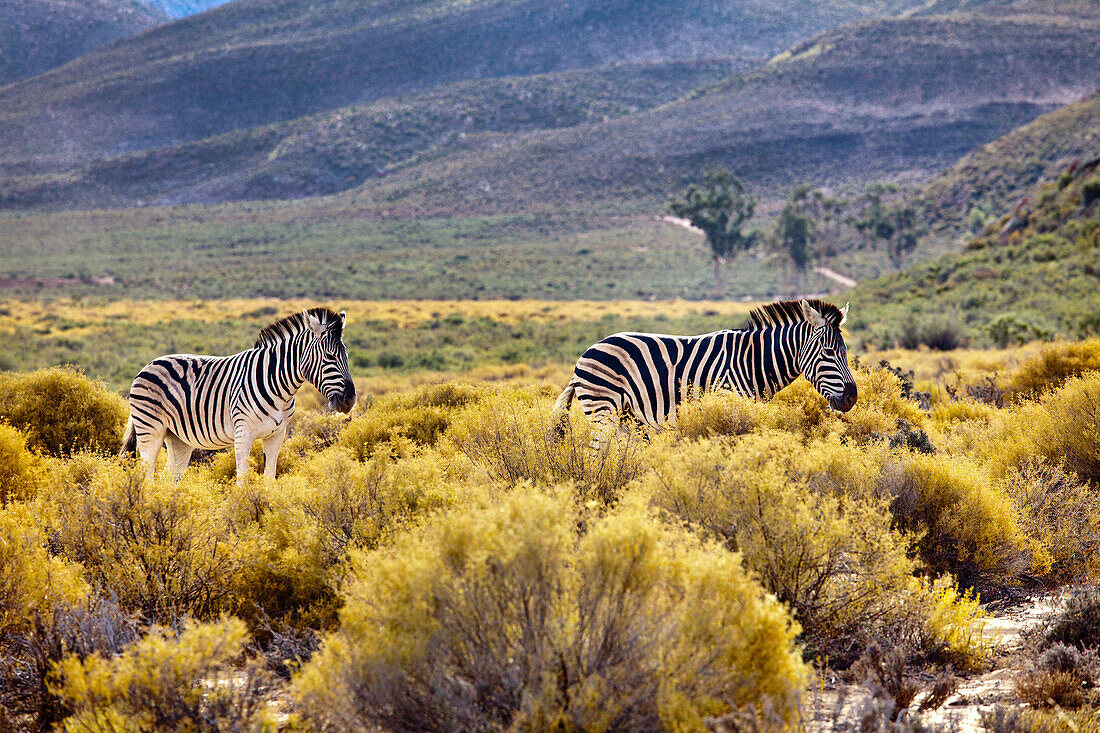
x=129, y=440
x=561, y=409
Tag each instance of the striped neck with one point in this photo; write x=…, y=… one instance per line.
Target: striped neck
x=288, y=368
x=763, y=361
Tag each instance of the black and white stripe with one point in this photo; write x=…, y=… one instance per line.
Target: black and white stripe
x=210, y=402
x=648, y=374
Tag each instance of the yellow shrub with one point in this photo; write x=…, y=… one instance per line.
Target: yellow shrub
x=502, y=617
x=1061, y=428
x=879, y=409
x=164, y=549
x=32, y=579
x=1063, y=515
x=1054, y=366
x=969, y=525
x=514, y=438
x=18, y=467
x=61, y=411
x=165, y=681
x=954, y=628
x=831, y=558
x=720, y=413
x=309, y=521
x=420, y=416
x=948, y=414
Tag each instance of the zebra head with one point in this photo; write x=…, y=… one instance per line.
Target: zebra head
x=823, y=358
x=326, y=358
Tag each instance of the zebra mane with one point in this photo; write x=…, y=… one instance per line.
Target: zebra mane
x=294, y=324
x=790, y=311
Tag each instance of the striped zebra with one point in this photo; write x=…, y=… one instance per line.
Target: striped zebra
x=647, y=374
x=212, y=402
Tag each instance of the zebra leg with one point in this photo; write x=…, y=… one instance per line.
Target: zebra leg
x=272, y=444
x=148, y=446
x=242, y=445
x=179, y=455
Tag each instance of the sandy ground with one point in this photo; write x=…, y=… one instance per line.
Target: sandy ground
x=838, y=706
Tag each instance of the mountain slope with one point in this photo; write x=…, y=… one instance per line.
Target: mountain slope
x=336, y=150
x=995, y=176
x=1031, y=274
x=879, y=99
x=37, y=35
x=899, y=99
x=255, y=62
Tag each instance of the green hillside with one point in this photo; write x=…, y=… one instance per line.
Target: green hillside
x=1031, y=274
x=37, y=35
x=255, y=62
x=336, y=150
x=992, y=178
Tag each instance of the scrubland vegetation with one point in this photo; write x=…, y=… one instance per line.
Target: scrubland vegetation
x=443, y=560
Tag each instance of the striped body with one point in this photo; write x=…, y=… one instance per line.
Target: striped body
x=647, y=375
x=187, y=401
x=199, y=398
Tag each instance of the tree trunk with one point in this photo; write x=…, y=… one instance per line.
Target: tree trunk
x=717, y=279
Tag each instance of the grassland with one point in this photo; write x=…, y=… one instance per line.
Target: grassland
x=395, y=541
x=322, y=249
x=388, y=339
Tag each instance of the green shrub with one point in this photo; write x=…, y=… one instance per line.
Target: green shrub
x=18, y=467
x=61, y=411
x=168, y=680
x=502, y=617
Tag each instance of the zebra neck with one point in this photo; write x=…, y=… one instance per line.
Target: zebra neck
x=286, y=370
x=766, y=360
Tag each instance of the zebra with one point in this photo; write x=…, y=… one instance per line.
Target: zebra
x=646, y=374
x=211, y=402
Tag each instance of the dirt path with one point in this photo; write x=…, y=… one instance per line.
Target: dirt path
x=838, y=706
x=823, y=271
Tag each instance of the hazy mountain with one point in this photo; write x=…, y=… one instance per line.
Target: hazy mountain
x=336, y=150
x=255, y=62
x=37, y=35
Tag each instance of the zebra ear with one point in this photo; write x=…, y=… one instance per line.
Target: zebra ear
x=812, y=316
x=843, y=314
x=344, y=317
x=314, y=323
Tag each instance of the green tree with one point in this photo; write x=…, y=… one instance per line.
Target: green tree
x=894, y=227
x=719, y=207
x=794, y=232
